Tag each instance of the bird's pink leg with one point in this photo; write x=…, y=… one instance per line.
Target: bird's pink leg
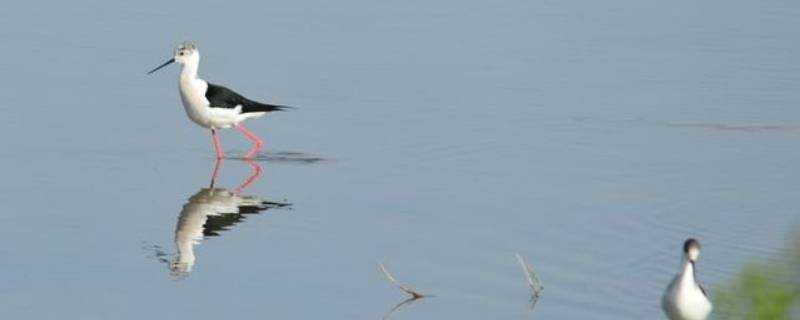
x=217, y=165
x=257, y=171
x=217, y=145
x=257, y=142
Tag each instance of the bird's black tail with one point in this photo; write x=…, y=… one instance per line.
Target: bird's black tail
x=263, y=107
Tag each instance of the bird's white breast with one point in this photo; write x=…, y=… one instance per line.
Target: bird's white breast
x=193, y=92
x=684, y=300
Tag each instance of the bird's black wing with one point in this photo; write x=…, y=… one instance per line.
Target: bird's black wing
x=222, y=97
x=699, y=285
x=703, y=289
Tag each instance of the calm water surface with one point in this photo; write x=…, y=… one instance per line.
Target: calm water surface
x=437, y=137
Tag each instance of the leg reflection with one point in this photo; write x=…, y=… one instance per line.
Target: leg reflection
x=215, y=173
x=255, y=175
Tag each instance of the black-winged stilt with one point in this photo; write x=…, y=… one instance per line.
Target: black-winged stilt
x=213, y=106
x=685, y=298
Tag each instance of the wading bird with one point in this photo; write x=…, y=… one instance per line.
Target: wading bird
x=685, y=298
x=213, y=106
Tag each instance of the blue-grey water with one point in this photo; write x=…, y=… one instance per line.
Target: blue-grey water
x=590, y=137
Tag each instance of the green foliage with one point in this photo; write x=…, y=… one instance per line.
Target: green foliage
x=761, y=291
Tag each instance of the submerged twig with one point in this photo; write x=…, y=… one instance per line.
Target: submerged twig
x=413, y=293
x=407, y=301
x=533, y=281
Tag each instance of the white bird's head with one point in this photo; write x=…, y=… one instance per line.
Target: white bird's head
x=691, y=249
x=186, y=54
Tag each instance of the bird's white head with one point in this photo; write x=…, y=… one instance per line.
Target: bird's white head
x=691, y=249
x=186, y=54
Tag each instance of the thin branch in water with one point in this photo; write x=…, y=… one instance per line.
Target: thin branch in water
x=413, y=293
x=533, y=281
x=407, y=302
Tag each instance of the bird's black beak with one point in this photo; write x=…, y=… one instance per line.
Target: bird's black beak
x=163, y=65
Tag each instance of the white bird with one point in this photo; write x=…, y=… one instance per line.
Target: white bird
x=685, y=298
x=213, y=106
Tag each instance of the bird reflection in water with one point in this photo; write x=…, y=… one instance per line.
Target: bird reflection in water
x=209, y=212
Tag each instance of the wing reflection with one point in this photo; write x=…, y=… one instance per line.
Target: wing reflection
x=210, y=212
